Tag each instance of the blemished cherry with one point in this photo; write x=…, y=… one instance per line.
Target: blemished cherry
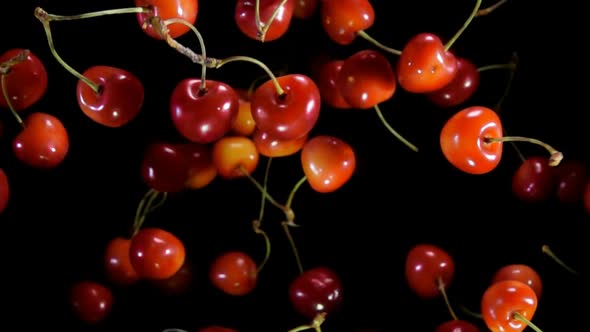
x=235, y=156
x=180, y=283
x=457, y=325
x=328, y=163
x=429, y=269
x=168, y=9
x=305, y=9
x=4, y=190
x=523, y=273
x=366, y=79
x=118, y=264
x=317, y=290
x=244, y=123
x=156, y=253
x=462, y=87
x=203, y=116
x=289, y=115
x=505, y=303
x=91, y=301
x=424, y=65
x=43, y=142
x=534, y=180
x=25, y=81
x=325, y=75
x=342, y=20
x=571, y=177
x=234, y=273
x=245, y=17
x=269, y=146
x=119, y=99
x=164, y=167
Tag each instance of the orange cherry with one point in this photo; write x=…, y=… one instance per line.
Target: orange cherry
x=235, y=156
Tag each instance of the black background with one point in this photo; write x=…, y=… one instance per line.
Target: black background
x=58, y=221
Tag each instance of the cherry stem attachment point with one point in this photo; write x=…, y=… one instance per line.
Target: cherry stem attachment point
x=7, y=65
x=289, y=214
x=393, y=131
x=442, y=289
x=8, y=102
x=450, y=43
x=471, y=313
x=146, y=206
x=373, y=41
x=316, y=324
x=269, y=72
x=258, y=230
x=518, y=316
x=554, y=159
x=487, y=10
x=546, y=250
x=264, y=26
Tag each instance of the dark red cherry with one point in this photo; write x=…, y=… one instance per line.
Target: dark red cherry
x=164, y=167
x=534, y=180
x=461, y=87
x=456, y=325
x=325, y=73
x=429, y=267
x=571, y=180
x=318, y=290
x=91, y=301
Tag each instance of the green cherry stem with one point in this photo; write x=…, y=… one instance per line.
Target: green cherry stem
x=471, y=313
x=546, y=250
x=289, y=214
x=7, y=65
x=287, y=228
x=294, y=191
x=442, y=289
x=373, y=41
x=264, y=26
x=514, y=62
x=258, y=230
x=517, y=315
x=450, y=43
x=488, y=10
x=265, y=187
x=146, y=206
x=41, y=14
x=8, y=102
x=393, y=131
x=554, y=159
x=316, y=324
x=509, y=66
x=261, y=64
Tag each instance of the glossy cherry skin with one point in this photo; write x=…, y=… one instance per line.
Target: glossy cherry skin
x=271, y=147
x=366, y=79
x=523, y=273
x=156, y=253
x=167, y=9
x=26, y=81
x=4, y=190
x=457, y=325
x=120, y=98
x=244, y=123
x=91, y=301
x=534, y=180
x=235, y=156
x=328, y=163
x=460, y=89
x=325, y=75
x=305, y=9
x=502, y=299
x=215, y=328
x=203, y=116
x=43, y=143
x=201, y=169
x=463, y=140
x=118, y=263
x=245, y=18
x=424, y=66
x=179, y=283
x=234, y=273
x=290, y=115
x=343, y=19
x=426, y=267
x=571, y=176
x=315, y=291
x=164, y=167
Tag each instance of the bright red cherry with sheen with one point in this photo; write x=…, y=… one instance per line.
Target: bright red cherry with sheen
x=342, y=20
x=571, y=177
x=43, y=142
x=245, y=17
x=25, y=82
x=523, y=273
x=457, y=325
x=503, y=300
x=156, y=253
x=234, y=273
x=290, y=115
x=315, y=291
x=167, y=9
x=463, y=140
x=4, y=190
x=325, y=75
x=460, y=89
x=119, y=100
x=305, y=9
x=534, y=180
x=366, y=79
x=428, y=268
x=203, y=116
x=424, y=66
x=91, y=301
x=118, y=263
x=271, y=147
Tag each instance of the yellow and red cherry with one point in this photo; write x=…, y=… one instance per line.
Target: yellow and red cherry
x=245, y=17
x=325, y=73
x=366, y=79
x=25, y=81
x=235, y=156
x=291, y=114
x=328, y=163
x=429, y=270
x=342, y=20
x=457, y=325
x=179, y=283
x=508, y=305
x=118, y=263
x=43, y=142
x=534, y=180
x=156, y=253
x=91, y=301
x=167, y=9
x=315, y=291
x=523, y=273
x=271, y=147
x=4, y=190
x=571, y=177
x=203, y=115
x=462, y=87
x=305, y=9
x=235, y=273
x=244, y=124
x=199, y=162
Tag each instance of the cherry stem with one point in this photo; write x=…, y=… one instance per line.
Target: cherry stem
x=8, y=102
x=486, y=11
x=316, y=324
x=393, y=131
x=258, y=230
x=550, y=253
x=517, y=315
x=294, y=191
x=516, y=148
x=514, y=61
x=510, y=66
x=272, y=76
x=290, y=215
x=554, y=159
x=264, y=26
x=265, y=187
x=450, y=43
x=44, y=16
x=471, y=313
x=146, y=206
x=442, y=289
x=258, y=79
x=7, y=65
x=373, y=41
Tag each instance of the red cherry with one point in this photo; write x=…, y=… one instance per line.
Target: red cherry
x=118, y=263
x=156, y=253
x=245, y=17
x=119, y=99
x=571, y=177
x=342, y=20
x=203, y=116
x=534, y=181
x=201, y=170
x=167, y=9
x=179, y=283
x=25, y=81
x=269, y=146
x=460, y=89
x=4, y=190
x=506, y=300
x=305, y=9
x=315, y=291
x=428, y=269
x=91, y=301
x=325, y=74
x=424, y=65
x=290, y=115
x=164, y=167
x=215, y=328
x=366, y=79
x=522, y=273
x=234, y=273
x=43, y=142
x=456, y=325
x=328, y=163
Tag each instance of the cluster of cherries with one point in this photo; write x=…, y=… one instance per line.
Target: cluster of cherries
x=228, y=130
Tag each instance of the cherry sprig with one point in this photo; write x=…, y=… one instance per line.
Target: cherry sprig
x=488, y=10
x=4, y=70
x=547, y=250
x=316, y=324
